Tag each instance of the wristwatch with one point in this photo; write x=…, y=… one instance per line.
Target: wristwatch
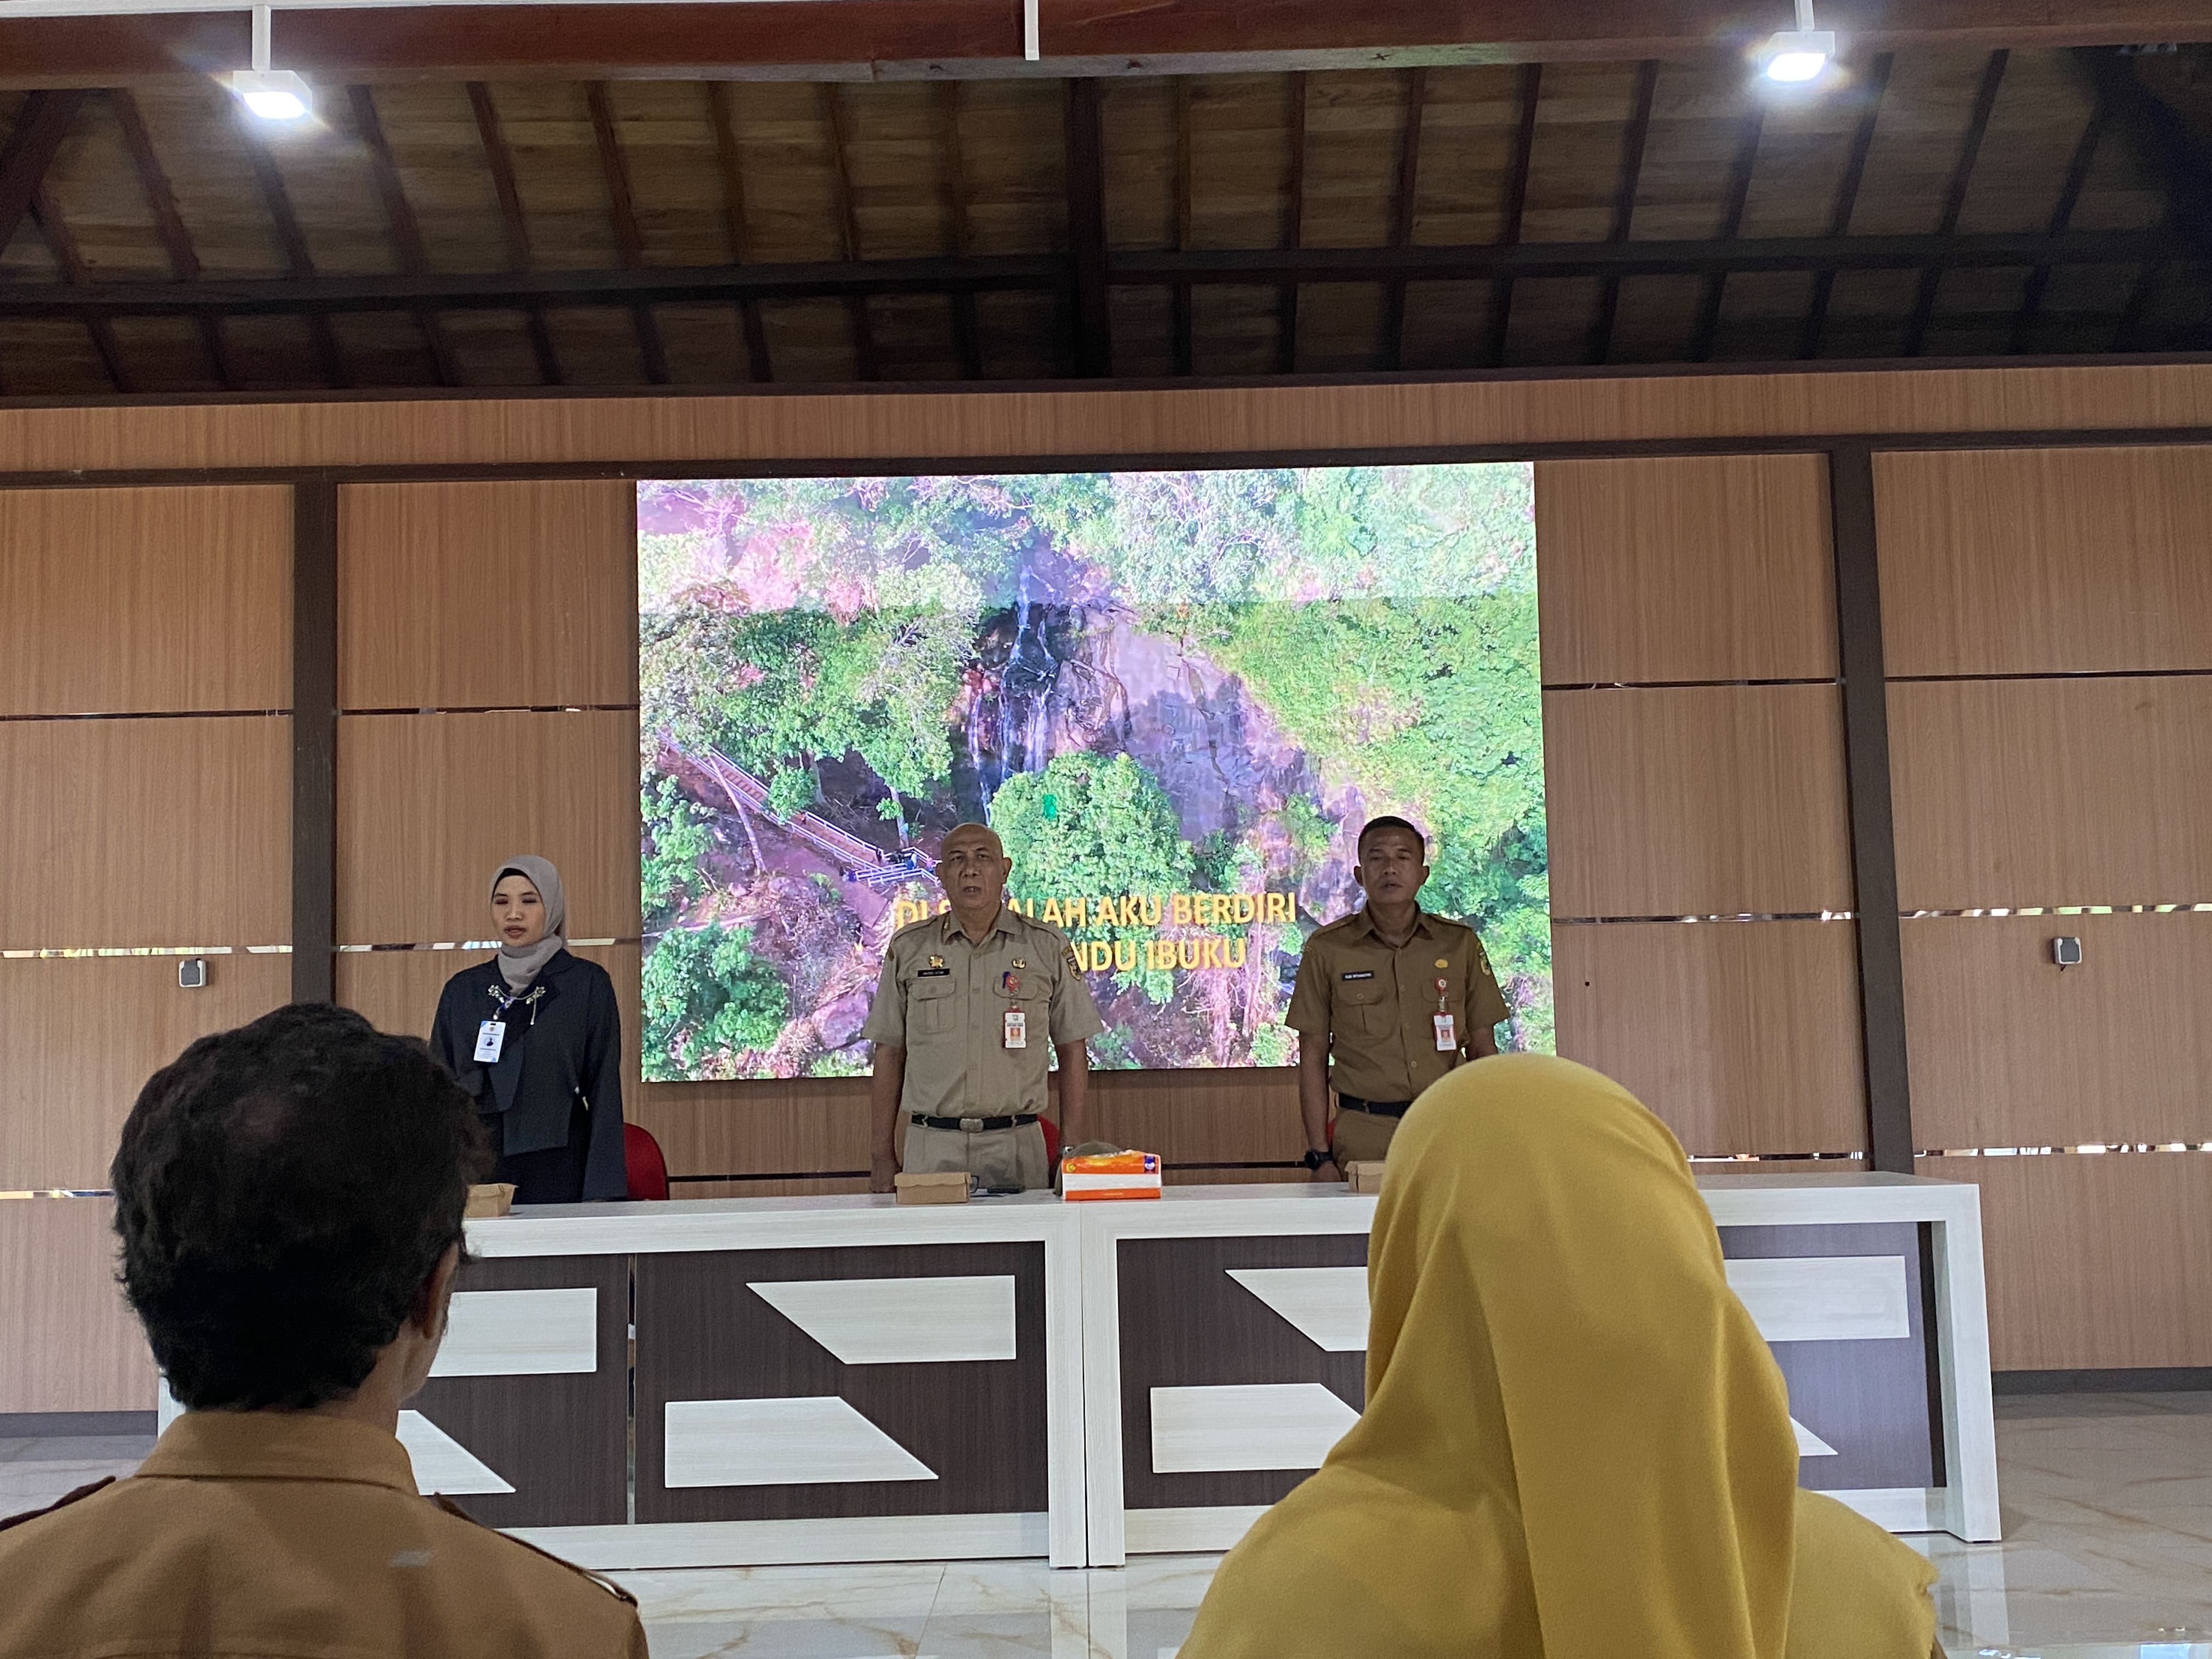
x=1315, y=1157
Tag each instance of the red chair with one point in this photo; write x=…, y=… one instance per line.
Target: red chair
x=642, y=1160
x=1051, y=1141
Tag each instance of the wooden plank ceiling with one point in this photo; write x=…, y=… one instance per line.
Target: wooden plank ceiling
x=1945, y=201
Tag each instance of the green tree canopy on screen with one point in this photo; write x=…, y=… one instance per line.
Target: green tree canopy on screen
x=704, y=992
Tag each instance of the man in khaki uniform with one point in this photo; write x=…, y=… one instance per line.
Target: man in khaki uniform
x=969, y=1005
x=289, y=1199
x=1387, y=1002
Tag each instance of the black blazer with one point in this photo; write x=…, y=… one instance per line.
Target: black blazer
x=571, y=1049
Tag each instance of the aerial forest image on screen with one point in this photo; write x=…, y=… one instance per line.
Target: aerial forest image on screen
x=1176, y=695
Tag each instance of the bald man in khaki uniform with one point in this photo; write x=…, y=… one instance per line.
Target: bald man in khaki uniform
x=969, y=1008
x=1387, y=1002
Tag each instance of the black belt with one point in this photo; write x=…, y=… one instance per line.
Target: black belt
x=1379, y=1108
x=972, y=1126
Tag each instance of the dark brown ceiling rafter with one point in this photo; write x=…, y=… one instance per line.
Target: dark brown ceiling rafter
x=500, y=161
x=1179, y=326
x=293, y=242
x=840, y=120
x=1091, y=315
x=1038, y=272
x=168, y=222
x=629, y=245
x=1955, y=195
x=1847, y=199
x=2169, y=151
x=2062, y=218
x=1405, y=198
x=406, y=231
x=722, y=116
x=1294, y=224
x=1624, y=205
x=42, y=122
x=1739, y=193
x=63, y=245
x=967, y=337
x=1530, y=92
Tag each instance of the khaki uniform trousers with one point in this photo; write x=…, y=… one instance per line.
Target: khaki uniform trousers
x=1359, y=1137
x=996, y=1158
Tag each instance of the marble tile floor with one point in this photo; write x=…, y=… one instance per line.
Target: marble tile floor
x=2107, y=1555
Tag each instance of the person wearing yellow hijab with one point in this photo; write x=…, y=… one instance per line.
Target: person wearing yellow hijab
x=1576, y=1445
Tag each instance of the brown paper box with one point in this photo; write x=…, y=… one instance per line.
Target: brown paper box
x=1365, y=1178
x=495, y=1199
x=939, y=1186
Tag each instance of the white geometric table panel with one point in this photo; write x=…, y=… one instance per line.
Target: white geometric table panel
x=1254, y=1425
x=900, y=1322
x=1329, y=1305
x=443, y=1464
x=813, y=1440
x=520, y=1333
x=1823, y=1299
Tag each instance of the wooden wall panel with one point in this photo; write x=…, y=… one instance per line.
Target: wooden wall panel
x=1697, y=800
x=900, y=427
x=2094, y=1262
x=487, y=595
x=68, y=1342
x=428, y=804
x=1712, y=568
x=2013, y=792
x=2009, y=1050
x=135, y=832
x=79, y=1038
x=1744, y=1036
x=2045, y=560
x=145, y=601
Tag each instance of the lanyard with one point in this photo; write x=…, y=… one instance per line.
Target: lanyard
x=506, y=999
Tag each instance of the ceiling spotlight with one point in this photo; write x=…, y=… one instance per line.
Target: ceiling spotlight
x=271, y=94
x=1794, y=57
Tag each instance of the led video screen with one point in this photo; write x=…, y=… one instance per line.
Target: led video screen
x=1176, y=695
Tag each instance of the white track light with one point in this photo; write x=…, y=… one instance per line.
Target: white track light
x=1794, y=57
x=271, y=94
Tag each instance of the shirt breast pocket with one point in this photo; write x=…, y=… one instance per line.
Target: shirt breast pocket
x=932, y=1008
x=1363, y=1004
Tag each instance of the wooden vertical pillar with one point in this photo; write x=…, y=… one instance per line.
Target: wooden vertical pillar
x=314, y=740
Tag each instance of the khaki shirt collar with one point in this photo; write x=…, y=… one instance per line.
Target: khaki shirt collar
x=279, y=1446
x=948, y=924
x=1362, y=921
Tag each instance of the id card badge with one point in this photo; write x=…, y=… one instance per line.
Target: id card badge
x=1017, y=1029
x=491, y=1038
x=1447, y=1033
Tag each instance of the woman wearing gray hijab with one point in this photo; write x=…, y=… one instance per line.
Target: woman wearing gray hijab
x=535, y=1036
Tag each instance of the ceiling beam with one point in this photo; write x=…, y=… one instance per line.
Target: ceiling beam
x=839, y=119
x=1092, y=316
x=293, y=242
x=2163, y=141
x=796, y=39
x=629, y=245
x=64, y=246
x=406, y=230
x=1294, y=224
x=41, y=123
x=501, y=159
x=722, y=116
x=1847, y=199
x=967, y=339
x=168, y=222
x=1179, y=320
x=1403, y=201
x=2061, y=216
x=1530, y=92
x=1731, y=227
x=1624, y=205
x=976, y=273
x=1955, y=195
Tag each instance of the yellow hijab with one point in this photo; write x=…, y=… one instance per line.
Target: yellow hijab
x=1576, y=1445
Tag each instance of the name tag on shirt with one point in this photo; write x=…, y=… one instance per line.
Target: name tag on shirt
x=1017, y=1029
x=1365, y=973
x=933, y=973
x=491, y=1038
x=1447, y=1035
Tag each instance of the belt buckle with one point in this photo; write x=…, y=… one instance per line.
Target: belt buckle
x=972, y=1126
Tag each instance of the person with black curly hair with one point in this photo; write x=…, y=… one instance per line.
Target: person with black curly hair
x=289, y=1198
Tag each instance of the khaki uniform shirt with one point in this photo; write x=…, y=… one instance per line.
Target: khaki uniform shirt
x=283, y=1535
x=1376, y=1007
x=944, y=1000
